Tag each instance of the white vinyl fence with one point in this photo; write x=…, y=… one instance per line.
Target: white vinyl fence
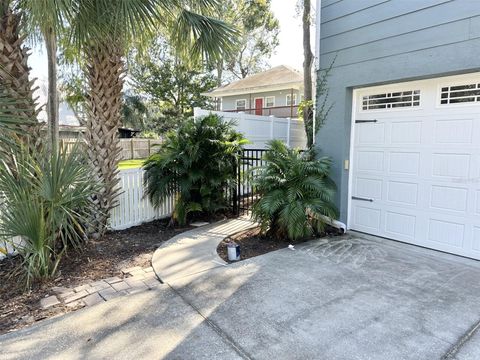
x=260, y=129
x=133, y=209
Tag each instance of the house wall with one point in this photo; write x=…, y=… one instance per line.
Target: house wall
x=228, y=102
x=376, y=42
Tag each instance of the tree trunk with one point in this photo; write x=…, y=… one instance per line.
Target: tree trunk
x=307, y=74
x=52, y=103
x=14, y=72
x=105, y=72
x=219, y=72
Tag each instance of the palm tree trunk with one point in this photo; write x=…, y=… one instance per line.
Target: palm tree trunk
x=307, y=73
x=14, y=71
x=105, y=71
x=52, y=104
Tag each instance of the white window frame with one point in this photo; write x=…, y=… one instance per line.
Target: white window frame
x=391, y=89
x=294, y=99
x=244, y=107
x=266, y=101
x=456, y=82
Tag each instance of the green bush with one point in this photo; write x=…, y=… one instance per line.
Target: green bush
x=45, y=200
x=196, y=164
x=295, y=193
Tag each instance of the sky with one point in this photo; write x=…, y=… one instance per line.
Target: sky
x=289, y=52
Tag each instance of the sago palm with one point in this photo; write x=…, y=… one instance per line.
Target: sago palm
x=105, y=30
x=295, y=192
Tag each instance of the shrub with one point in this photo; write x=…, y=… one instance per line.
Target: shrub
x=45, y=201
x=295, y=192
x=195, y=163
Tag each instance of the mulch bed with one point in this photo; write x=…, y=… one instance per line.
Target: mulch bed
x=253, y=243
x=100, y=259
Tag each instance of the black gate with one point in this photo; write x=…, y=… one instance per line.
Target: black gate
x=245, y=194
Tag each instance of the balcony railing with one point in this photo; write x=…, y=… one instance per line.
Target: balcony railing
x=277, y=111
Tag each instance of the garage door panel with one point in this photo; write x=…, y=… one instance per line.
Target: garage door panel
x=404, y=163
x=451, y=165
x=448, y=198
x=476, y=239
x=446, y=232
x=406, y=132
x=456, y=131
x=370, y=160
x=420, y=167
x=367, y=218
x=368, y=188
x=477, y=202
x=371, y=134
x=400, y=192
x=400, y=224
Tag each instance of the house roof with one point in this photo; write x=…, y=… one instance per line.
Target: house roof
x=277, y=78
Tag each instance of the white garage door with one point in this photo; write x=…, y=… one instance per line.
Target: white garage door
x=416, y=163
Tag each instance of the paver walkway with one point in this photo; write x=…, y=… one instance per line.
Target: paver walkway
x=185, y=254
x=136, y=279
x=195, y=251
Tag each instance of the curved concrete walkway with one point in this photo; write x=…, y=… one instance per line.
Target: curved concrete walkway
x=195, y=251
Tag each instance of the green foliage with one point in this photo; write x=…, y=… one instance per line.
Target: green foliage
x=196, y=164
x=134, y=112
x=170, y=89
x=45, y=201
x=322, y=104
x=259, y=37
x=296, y=193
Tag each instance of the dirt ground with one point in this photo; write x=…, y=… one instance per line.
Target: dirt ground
x=100, y=259
x=253, y=243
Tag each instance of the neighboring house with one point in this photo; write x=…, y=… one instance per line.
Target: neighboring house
x=277, y=92
x=404, y=130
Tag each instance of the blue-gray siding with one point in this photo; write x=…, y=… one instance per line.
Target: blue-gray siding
x=385, y=41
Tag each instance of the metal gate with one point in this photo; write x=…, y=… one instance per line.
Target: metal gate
x=246, y=194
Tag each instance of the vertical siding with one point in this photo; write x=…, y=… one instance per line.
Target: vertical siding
x=373, y=42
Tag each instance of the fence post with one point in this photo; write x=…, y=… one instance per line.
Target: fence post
x=131, y=148
x=272, y=118
x=289, y=125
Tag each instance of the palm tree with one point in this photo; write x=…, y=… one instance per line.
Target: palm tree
x=105, y=31
x=37, y=20
x=14, y=70
x=45, y=20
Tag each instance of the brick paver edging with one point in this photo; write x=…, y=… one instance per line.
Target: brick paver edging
x=136, y=279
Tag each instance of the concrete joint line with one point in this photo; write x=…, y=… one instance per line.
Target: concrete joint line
x=459, y=344
x=238, y=349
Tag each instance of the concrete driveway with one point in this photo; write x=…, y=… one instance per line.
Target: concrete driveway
x=354, y=297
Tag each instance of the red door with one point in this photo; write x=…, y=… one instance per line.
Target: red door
x=259, y=106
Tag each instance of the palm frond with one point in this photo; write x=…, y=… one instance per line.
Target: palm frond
x=295, y=192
